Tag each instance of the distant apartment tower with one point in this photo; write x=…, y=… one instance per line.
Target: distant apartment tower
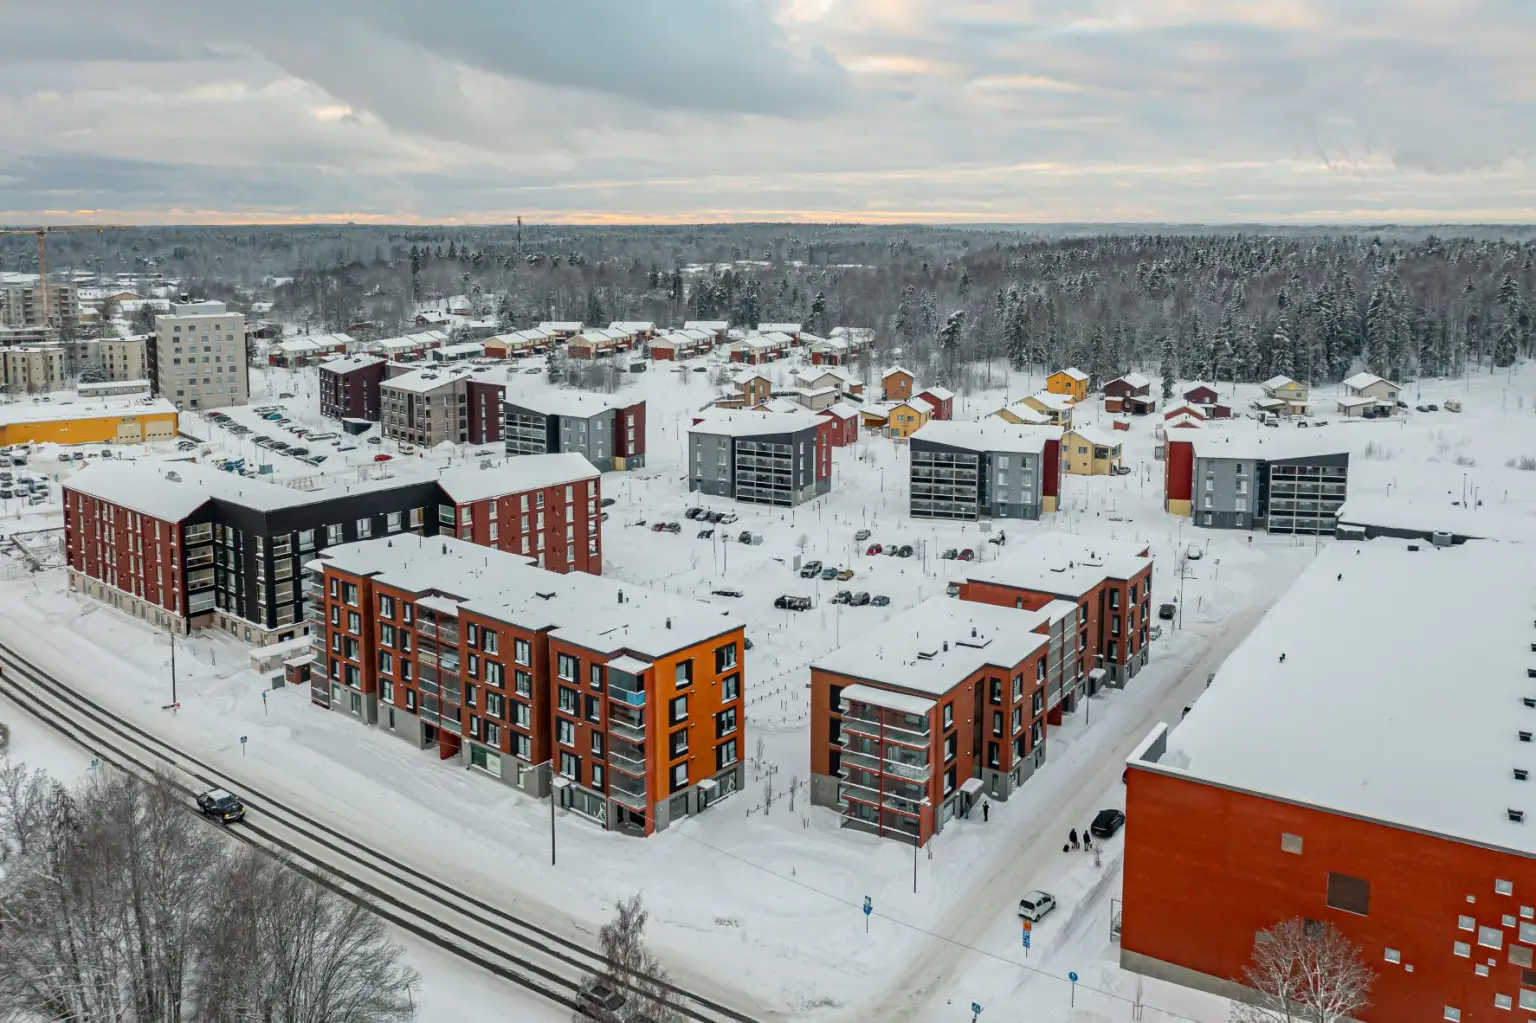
x=433, y=405
x=123, y=358
x=21, y=302
x=32, y=369
x=350, y=387
x=608, y=430
x=196, y=357
x=782, y=458
x=1278, y=484
x=984, y=470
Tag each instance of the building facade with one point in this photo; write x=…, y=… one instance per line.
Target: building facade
x=350, y=387
x=196, y=358
x=96, y=422
x=434, y=405
x=21, y=302
x=606, y=430
x=1070, y=383
x=780, y=458
x=1089, y=451
x=1280, y=486
x=33, y=369
x=973, y=471
x=625, y=704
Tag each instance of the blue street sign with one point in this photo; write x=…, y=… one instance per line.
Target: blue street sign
x=976, y=1008
x=1072, y=977
x=1026, y=939
x=242, y=739
x=869, y=907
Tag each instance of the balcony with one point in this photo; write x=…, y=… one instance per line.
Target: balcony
x=450, y=661
x=860, y=725
x=627, y=757
x=627, y=724
x=628, y=791
x=628, y=697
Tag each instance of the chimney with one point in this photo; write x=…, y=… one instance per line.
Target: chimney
x=445, y=546
x=946, y=646
x=621, y=596
x=973, y=632
x=669, y=623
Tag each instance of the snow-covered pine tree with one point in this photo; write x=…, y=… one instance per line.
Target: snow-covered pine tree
x=1167, y=367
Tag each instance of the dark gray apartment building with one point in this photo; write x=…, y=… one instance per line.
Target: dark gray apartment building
x=782, y=458
x=607, y=430
x=1277, y=484
x=990, y=469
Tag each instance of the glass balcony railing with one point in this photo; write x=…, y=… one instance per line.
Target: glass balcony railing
x=627, y=757
x=628, y=791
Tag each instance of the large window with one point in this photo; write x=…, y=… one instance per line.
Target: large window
x=1351, y=894
x=725, y=755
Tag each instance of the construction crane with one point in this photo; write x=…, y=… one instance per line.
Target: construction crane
x=42, y=234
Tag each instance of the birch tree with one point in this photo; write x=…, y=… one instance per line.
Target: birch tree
x=1304, y=973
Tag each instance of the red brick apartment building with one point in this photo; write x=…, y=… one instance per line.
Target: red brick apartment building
x=626, y=701
x=1110, y=580
x=349, y=387
x=1330, y=774
x=915, y=721
x=186, y=546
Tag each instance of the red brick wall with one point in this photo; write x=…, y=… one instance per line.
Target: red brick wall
x=1204, y=872
x=622, y=444
x=1051, y=469
x=585, y=518
x=483, y=402
x=116, y=546
x=824, y=431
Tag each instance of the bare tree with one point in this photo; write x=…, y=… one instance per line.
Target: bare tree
x=632, y=974
x=1304, y=972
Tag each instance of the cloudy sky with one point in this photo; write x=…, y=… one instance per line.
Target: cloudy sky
x=587, y=111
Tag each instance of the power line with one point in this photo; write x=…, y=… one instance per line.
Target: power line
x=1170, y=1014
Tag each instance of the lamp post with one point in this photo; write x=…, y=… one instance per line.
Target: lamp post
x=558, y=784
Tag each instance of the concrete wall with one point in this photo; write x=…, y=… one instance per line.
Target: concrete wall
x=1216, y=492
x=706, y=470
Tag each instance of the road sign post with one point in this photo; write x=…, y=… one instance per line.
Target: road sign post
x=1073, y=978
x=869, y=907
x=975, y=1011
x=1025, y=927
x=242, y=744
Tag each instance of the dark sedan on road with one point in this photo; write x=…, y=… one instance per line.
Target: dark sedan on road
x=1107, y=823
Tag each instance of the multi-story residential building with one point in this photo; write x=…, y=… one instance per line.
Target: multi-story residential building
x=921, y=717
x=350, y=387
x=433, y=405
x=1282, y=484
x=1109, y=580
x=627, y=703
x=123, y=358
x=21, y=302
x=782, y=458
x=197, y=357
x=246, y=582
x=681, y=344
x=607, y=430
x=989, y=469
x=1405, y=823
x=33, y=369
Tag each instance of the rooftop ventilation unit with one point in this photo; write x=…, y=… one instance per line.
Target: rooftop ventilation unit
x=1518, y=816
x=1521, y=774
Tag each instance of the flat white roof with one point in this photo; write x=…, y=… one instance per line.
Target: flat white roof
x=98, y=407
x=1401, y=513
x=1399, y=697
x=722, y=422
x=1063, y=563
x=770, y=340
x=562, y=326
x=525, y=472
x=347, y=363
x=1270, y=445
x=781, y=328
x=428, y=378
x=587, y=610
x=876, y=697
x=425, y=339
x=713, y=326
x=933, y=646
x=988, y=435
x=558, y=401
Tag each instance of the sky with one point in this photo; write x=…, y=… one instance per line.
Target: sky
x=682, y=111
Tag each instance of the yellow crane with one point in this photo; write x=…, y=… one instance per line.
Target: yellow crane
x=42, y=234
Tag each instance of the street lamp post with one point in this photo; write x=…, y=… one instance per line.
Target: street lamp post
x=556, y=786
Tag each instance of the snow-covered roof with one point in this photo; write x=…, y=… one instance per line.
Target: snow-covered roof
x=470, y=348
x=987, y=435
x=525, y=472
x=898, y=369
x=348, y=363
x=98, y=407
x=633, y=326
x=1362, y=400
x=587, y=610
x=858, y=334
x=939, y=393
x=561, y=326
x=1094, y=435
x=841, y=410
x=420, y=381
x=826, y=344
x=558, y=401
x=1199, y=385
x=1051, y=400
x=1273, y=383
x=1441, y=516
x=1268, y=445
x=889, y=699
x=918, y=404
x=1363, y=380
x=1026, y=413
x=930, y=648
x=1064, y=564
x=1184, y=421
x=778, y=405
x=780, y=328
x=1135, y=380
x=746, y=376
x=713, y=326
x=721, y=422
x=816, y=392
x=1073, y=372
x=807, y=338
x=1368, y=690
x=764, y=341
x=681, y=339
x=425, y=339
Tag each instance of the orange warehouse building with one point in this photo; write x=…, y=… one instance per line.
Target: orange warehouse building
x=1348, y=768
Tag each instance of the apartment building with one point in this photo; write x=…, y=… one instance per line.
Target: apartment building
x=197, y=357
x=622, y=704
x=21, y=302
x=780, y=458
x=1407, y=821
x=918, y=719
x=33, y=369
x=257, y=534
x=989, y=469
x=607, y=430
x=123, y=358
x=1109, y=580
x=350, y=387
x=1280, y=484
x=435, y=405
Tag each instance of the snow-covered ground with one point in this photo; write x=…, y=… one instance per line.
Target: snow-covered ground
x=760, y=904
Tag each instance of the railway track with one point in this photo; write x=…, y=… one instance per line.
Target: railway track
x=477, y=931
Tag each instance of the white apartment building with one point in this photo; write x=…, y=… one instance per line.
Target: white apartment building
x=197, y=357
x=21, y=302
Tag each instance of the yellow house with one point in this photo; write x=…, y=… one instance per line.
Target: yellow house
x=67, y=423
x=1021, y=414
x=1071, y=382
x=1088, y=451
x=908, y=417
x=1057, y=408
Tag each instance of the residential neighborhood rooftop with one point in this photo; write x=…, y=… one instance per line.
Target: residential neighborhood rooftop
x=525, y=472
x=1257, y=444
x=428, y=378
x=1360, y=380
x=749, y=424
x=987, y=435
x=1438, y=516
x=560, y=401
x=1064, y=564
x=98, y=406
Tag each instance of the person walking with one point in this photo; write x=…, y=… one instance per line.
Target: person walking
x=1074, y=839
x=986, y=809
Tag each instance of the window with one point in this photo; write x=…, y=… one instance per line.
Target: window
x=1394, y=956
x=677, y=742
x=594, y=709
x=1462, y=949
x=685, y=672
x=949, y=748
x=1291, y=844
x=725, y=723
x=997, y=722
x=1527, y=999
x=1490, y=937
x=354, y=623
x=523, y=682
x=1466, y=923
x=407, y=613
x=495, y=705
x=1453, y=1013
x=725, y=755
x=1504, y=887
x=595, y=676
x=364, y=528
x=520, y=714
x=488, y=641
x=732, y=687
x=1503, y=1002
x=677, y=710
x=725, y=658
x=1018, y=720
x=474, y=665
x=386, y=607
x=679, y=777
x=472, y=634
x=565, y=734
x=522, y=651
x=333, y=533
x=570, y=701
x=570, y=765
x=949, y=715
x=349, y=593
x=1351, y=894
x=495, y=674
x=597, y=777
x=386, y=662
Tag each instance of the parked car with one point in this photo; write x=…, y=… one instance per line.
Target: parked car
x=880, y=600
x=845, y=575
x=673, y=527
x=658, y=527
x=1106, y=823
x=693, y=513
x=1000, y=539
x=375, y=440
x=704, y=534
x=298, y=452
x=1274, y=423
x=1157, y=632
x=842, y=597
x=1036, y=904
x=607, y=501
x=893, y=550
x=1433, y=407
x=6, y=493
x=37, y=499
x=63, y=456
x=860, y=599
x=788, y=603
x=906, y=550
x=1421, y=408
x=828, y=574
x=952, y=590
x=861, y=536
x=967, y=555
x=380, y=457
x=874, y=548
x=810, y=570
x=726, y=518
x=601, y=1001
x=1453, y=406
x=1166, y=611
x=726, y=593
x=224, y=807
x=745, y=537
x=950, y=554
x=78, y=456
x=1193, y=552
x=1122, y=470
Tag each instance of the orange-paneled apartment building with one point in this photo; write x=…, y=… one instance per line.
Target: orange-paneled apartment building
x=917, y=720
x=1363, y=759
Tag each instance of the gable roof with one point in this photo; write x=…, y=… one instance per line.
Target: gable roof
x=1071, y=371
x=841, y=411
x=1095, y=436
x=1362, y=380
x=941, y=393
x=898, y=369
x=1051, y=400
x=1133, y=380
x=918, y=404
x=1276, y=382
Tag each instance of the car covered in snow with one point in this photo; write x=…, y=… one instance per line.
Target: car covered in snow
x=1193, y=552
x=873, y=549
x=843, y=597
x=810, y=570
x=967, y=555
x=845, y=575
x=950, y=554
x=860, y=599
x=861, y=536
x=880, y=600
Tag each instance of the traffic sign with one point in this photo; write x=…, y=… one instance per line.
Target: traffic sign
x=869, y=907
x=1072, y=976
x=242, y=744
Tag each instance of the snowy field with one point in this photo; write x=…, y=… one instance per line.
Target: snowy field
x=759, y=904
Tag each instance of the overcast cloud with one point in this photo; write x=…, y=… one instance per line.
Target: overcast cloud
x=701, y=110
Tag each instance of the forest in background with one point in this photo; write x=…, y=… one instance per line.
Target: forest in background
x=949, y=302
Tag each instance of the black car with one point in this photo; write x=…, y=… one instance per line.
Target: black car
x=843, y=597
x=860, y=599
x=906, y=550
x=224, y=807
x=880, y=600
x=1107, y=823
x=693, y=513
x=1166, y=612
x=605, y=1000
x=788, y=603
x=726, y=593
x=607, y=501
